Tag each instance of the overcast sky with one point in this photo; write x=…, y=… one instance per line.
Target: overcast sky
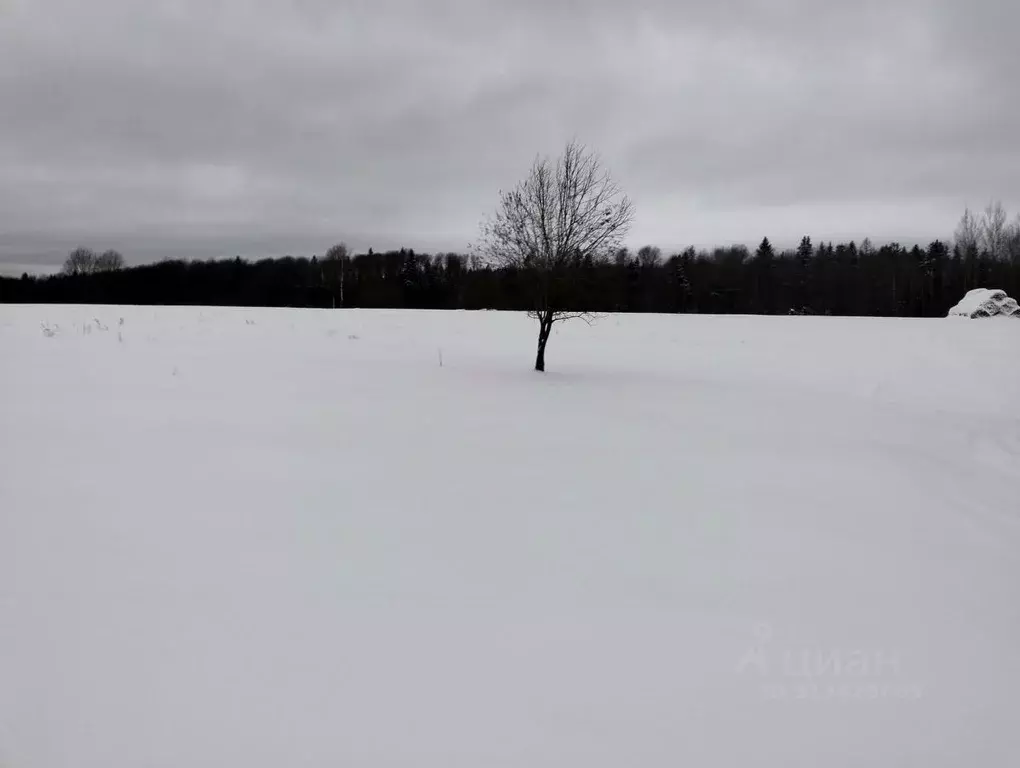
x=218, y=127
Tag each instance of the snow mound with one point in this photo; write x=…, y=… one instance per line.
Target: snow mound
x=986, y=302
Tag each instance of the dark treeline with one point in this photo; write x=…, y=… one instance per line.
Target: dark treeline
x=842, y=279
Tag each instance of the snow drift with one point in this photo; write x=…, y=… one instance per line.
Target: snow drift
x=986, y=302
x=260, y=538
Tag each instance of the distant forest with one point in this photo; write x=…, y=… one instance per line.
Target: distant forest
x=822, y=279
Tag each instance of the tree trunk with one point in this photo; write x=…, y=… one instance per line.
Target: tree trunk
x=544, y=327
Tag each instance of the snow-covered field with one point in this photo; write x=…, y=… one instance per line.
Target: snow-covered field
x=247, y=538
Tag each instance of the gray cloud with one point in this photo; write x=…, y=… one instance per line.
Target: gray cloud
x=215, y=127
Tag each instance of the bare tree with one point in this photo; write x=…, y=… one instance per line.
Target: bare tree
x=649, y=256
x=337, y=252
x=85, y=261
x=994, y=230
x=560, y=217
x=110, y=261
x=335, y=265
x=81, y=261
x=968, y=233
x=1013, y=241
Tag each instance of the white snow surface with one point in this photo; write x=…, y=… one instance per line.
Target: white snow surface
x=986, y=302
x=264, y=538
